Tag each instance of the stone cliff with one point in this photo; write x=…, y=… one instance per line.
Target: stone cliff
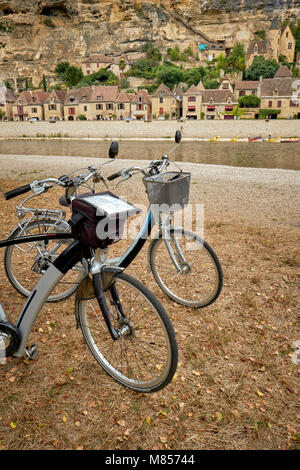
x=48, y=31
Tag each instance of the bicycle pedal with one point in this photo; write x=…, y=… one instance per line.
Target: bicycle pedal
x=31, y=352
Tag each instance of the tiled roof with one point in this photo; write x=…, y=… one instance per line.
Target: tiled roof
x=193, y=90
x=247, y=85
x=58, y=95
x=218, y=96
x=123, y=97
x=262, y=47
x=33, y=97
x=162, y=89
x=283, y=72
x=282, y=85
x=144, y=94
x=91, y=94
x=108, y=93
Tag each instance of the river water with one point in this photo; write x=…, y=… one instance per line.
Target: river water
x=241, y=154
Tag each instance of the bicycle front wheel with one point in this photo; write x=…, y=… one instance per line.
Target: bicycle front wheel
x=26, y=263
x=195, y=278
x=144, y=357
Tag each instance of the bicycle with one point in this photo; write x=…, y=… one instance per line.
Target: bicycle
x=39, y=255
x=123, y=324
x=184, y=265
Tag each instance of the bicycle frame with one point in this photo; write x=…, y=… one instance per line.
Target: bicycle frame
x=66, y=261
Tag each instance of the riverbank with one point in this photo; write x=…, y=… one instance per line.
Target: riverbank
x=236, y=386
x=193, y=130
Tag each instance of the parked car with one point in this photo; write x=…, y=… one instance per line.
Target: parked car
x=52, y=119
x=33, y=119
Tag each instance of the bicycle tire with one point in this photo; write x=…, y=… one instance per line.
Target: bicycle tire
x=23, y=279
x=199, y=283
x=151, y=360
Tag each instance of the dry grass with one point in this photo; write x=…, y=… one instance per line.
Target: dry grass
x=236, y=386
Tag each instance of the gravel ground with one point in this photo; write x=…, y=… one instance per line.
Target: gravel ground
x=249, y=194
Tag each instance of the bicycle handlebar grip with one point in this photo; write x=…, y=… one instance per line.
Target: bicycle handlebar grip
x=114, y=176
x=17, y=192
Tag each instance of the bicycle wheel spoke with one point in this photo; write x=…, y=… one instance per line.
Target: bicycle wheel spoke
x=197, y=280
x=144, y=356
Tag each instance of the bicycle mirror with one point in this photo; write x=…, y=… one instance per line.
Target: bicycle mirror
x=113, y=149
x=177, y=137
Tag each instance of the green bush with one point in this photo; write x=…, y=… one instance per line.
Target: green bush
x=250, y=101
x=48, y=22
x=264, y=113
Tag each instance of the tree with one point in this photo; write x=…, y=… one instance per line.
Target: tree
x=193, y=76
x=169, y=75
x=250, y=101
x=261, y=67
x=70, y=74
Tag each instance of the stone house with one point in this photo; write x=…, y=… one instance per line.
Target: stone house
x=166, y=103
x=95, y=62
x=54, y=105
x=94, y=103
x=123, y=105
x=192, y=102
x=218, y=104
x=208, y=52
x=277, y=93
x=246, y=88
x=141, y=106
x=101, y=102
x=29, y=105
x=7, y=98
x=279, y=42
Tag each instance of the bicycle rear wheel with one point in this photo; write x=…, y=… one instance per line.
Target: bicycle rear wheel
x=197, y=282
x=25, y=263
x=144, y=357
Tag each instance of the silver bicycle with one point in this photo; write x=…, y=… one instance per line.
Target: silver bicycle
x=184, y=265
x=25, y=263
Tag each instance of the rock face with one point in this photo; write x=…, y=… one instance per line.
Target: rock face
x=48, y=31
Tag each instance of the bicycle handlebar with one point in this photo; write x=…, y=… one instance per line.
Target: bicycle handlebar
x=17, y=192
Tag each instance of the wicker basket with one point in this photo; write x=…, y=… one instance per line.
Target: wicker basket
x=170, y=189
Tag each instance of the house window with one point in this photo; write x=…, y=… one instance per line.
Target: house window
x=192, y=98
x=99, y=106
x=211, y=108
x=72, y=99
x=72, y=111
x=121, y=106
x=34, y=110
x=287, y=34
x=85, y=108
x=255, y=49
x=191, y=108
x=279, y=104
x=253, y=92
x=290, y=45
x=161, y=111
x=270, y=104
x=88, y=72
x=140, y=99
x=52, y=107
x=139, y=107
x=84, y=98
x=99, y=98
x=109, y=106
x=161, y=100
x=242, y=93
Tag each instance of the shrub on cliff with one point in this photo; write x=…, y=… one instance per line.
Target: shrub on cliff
x=261, y=67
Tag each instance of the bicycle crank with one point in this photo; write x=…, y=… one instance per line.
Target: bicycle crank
x=9, y=339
